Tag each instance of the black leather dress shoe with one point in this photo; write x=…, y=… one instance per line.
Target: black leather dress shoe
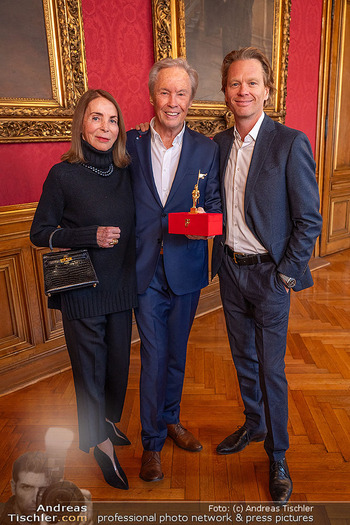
x=115, y=478
x=238, y=441
x=115, y=435
x=281, y=485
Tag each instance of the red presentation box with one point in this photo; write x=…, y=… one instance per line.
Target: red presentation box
x=186, y=223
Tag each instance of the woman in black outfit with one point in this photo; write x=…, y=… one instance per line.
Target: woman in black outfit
x=87, y=203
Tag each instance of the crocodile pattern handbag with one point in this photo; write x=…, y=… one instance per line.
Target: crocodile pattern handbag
x=67, y=270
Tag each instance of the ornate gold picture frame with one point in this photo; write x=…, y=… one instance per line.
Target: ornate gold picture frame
x=27, y=119
x=169, y=30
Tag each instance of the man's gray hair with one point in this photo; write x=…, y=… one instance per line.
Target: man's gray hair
x=172, y=62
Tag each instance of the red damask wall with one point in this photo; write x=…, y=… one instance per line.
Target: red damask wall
x=119, y=53
x=303, y=66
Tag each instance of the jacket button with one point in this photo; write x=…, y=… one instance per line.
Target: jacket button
x=163, y=214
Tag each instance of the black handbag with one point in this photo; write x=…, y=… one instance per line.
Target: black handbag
x=67, y=270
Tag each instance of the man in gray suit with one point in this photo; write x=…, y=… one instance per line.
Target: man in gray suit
x=271, y=223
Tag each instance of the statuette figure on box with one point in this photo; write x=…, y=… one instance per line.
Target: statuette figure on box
x=196, y=193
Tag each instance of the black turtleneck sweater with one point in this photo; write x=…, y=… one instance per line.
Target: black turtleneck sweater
x=79, y=201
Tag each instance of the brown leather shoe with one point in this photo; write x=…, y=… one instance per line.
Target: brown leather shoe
x=183, y=438
x=151, y=468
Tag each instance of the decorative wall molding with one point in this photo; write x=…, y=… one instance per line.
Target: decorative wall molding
x=32, y=344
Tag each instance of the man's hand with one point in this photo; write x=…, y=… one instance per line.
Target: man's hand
x=199, y=237
x=144, y=126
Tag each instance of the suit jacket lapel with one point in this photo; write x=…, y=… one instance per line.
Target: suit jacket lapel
x=143, y=148
x=261, y=150
x=225, y=150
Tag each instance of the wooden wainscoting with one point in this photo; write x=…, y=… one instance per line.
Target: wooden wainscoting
x=32, y=344
x=333, y=134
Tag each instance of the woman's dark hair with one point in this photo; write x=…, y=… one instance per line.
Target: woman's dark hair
x=75, y=152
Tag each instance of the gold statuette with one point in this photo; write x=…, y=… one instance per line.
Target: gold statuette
x=196, y=192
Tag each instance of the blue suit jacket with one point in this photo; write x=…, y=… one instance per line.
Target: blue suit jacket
x=185, y=261
x=281, y=198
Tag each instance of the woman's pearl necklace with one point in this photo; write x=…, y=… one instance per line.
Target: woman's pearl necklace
x=106, y=173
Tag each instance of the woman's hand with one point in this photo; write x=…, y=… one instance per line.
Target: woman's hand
x=108, y=236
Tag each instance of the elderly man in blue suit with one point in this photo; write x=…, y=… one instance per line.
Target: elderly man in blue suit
x=271, y=218
x=171, y=269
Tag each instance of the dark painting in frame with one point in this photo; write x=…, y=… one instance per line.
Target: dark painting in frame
x=37, y=100
x=199, y=30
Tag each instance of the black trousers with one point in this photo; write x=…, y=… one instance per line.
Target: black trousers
x=256, y=307
x=99, y=350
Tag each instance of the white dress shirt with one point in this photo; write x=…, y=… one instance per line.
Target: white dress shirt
x=238, y=235
x=164, y=161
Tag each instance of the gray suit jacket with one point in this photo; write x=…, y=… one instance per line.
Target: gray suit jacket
x=281, y=198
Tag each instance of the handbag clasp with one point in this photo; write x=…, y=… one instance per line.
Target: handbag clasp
x=65, y=259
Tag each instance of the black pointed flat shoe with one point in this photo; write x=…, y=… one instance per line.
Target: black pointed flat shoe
x=115, y=435
x=117, y=479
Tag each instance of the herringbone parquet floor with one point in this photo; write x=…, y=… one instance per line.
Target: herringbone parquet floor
x=318, y=371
